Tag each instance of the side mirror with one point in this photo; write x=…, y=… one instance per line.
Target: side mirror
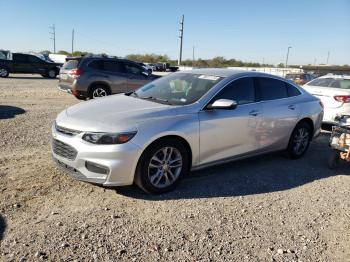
x=223, y=104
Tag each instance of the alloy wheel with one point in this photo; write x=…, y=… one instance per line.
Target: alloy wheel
x=165, y=167
x=3, y=72
x=99, y=92
x=52, y=74
x=301, y=140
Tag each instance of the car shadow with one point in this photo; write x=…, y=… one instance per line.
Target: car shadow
x=2, y=227
x=10, y=111
x=257, y=175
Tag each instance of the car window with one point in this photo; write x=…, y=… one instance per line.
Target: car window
x=292, y=90
x=340, y=83
x=34, y=59
x=320, y=82
x=113, y=66
x=70, y=64
x=96, y=64
x=241, y=90
x=133, y=69
x=271, y=89
x=20, y=58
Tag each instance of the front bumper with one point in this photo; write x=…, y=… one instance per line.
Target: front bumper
x=119, y=160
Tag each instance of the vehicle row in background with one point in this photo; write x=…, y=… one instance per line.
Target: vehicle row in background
x=300, y=78
x=97, y=76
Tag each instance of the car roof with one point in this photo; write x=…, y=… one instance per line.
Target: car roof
x=336, y=76
x=224, y=72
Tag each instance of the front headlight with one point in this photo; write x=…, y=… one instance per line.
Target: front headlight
x=108, y=138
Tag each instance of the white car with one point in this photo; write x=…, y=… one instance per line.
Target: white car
x=334, y=92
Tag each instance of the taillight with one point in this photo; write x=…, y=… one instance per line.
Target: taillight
x=75, y=72
x=343, y=99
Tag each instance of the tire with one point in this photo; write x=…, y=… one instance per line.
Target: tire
x=299, y=140
x=51, y=73
x=334, y=160
x=98, y=91
x=154, y=173
x=4, y=72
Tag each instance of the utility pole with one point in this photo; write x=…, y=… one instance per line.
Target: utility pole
x=289, y=47
x=72, y=41
x=53, y=33
x=192, y=56
x=328, y=57
x=181, y=39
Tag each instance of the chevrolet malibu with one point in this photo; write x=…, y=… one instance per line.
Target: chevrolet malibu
x=184, y=121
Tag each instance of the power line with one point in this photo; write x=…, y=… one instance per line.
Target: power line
x=181, y=39
x=53, y=33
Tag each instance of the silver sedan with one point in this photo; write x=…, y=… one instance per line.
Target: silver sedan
x=181, y=122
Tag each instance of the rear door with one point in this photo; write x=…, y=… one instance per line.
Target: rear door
x=21, y=63
x=280, y=110
x=114, y=73
x=36, y=65
x=137, y=76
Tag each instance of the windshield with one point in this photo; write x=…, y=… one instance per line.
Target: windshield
x=178, y=88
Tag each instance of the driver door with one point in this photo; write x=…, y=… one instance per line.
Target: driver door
x=225, y=133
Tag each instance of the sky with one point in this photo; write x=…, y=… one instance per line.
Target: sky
x=248, y=30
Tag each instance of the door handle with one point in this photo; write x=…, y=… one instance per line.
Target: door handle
x=254, y=113
x=291, y=107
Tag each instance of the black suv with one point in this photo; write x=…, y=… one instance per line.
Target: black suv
x=92, y=77
x=28, y=64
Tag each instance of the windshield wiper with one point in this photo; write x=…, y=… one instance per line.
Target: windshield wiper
x=155, y=99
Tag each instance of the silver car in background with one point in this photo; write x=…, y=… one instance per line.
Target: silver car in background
x=181, y=122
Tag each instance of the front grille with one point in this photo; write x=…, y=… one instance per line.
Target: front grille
x=63, y=150
x=67, y=131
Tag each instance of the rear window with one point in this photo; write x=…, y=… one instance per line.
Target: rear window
x=71, y=64
x=320, y=82
x=271, y=89
x=331, y=82
x=292, y=90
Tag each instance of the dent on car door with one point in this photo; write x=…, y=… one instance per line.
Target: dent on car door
x=227, y=133
x=281, y=111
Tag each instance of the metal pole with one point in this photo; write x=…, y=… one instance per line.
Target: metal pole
x=181, y=39
x=193, y=56
x=289, y=47
x=72, y=41
x=53, y=33
x=328, y=57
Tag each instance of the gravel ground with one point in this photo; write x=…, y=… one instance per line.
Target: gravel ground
x=264, y=209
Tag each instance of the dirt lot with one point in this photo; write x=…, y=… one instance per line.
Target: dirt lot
x=263, y=209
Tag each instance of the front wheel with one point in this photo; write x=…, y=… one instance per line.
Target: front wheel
x=4, y=72
x=299, y=141
x=52, y=73
x=162, y=166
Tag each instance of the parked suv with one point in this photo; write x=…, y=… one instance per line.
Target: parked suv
x=92, y=77
x=28, y=64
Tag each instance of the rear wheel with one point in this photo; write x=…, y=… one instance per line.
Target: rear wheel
x=162, y=166
x=52, y=73
x=300, y=140
x=99, y=91
x=4, y=72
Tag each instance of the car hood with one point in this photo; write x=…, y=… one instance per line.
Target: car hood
x=113, y=113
